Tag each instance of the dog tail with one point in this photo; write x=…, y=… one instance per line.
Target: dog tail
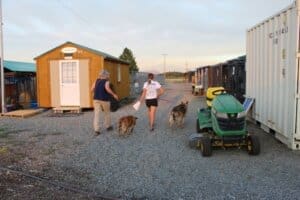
x=119, y=127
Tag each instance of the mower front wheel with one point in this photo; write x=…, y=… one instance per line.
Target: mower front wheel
x=253, y=145
x=205, y=146
x=198, y=129
x=198, y=126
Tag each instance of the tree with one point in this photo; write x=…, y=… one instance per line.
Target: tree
x=128, y=56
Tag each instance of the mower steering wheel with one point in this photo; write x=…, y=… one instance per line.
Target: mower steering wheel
x=222, y=91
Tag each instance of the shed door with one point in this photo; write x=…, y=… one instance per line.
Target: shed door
x=69, y=83
x=298, y=103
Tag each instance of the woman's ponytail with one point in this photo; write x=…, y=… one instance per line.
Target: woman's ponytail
x=150, y=77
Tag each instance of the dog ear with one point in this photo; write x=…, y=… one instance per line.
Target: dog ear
x=135, y=117
x=187, y=102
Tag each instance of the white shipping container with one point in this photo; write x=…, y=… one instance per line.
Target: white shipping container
x=272, y=74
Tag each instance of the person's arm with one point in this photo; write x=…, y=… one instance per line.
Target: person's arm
x=143, y=95
x=107, y=88
x=93, y=87
x=160, y=92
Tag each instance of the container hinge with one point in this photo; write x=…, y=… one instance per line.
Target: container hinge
x=298, y=55
x=297, y=96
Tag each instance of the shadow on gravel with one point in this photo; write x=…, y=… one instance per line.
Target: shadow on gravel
x=63, y=114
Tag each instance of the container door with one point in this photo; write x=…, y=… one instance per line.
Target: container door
x=298, y=119
x=69, y=83
x=298, y=104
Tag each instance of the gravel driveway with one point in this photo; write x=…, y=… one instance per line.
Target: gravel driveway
x=159, y=164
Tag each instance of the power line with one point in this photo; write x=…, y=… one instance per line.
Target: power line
x=164, y=55
x=78, y=16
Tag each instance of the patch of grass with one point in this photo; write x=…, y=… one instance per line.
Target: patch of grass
x=3, y=133
x=19, y=156
x=3, y=150
x=56, y=133
x=49, y=151
x=77, y=142
x=41, y=135
x=16, y=142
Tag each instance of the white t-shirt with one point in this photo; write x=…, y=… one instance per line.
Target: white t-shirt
x=151, y=88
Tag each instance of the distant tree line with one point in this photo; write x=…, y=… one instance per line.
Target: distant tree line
x=174, y=74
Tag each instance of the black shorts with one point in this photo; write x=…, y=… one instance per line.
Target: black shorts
x=151, y=102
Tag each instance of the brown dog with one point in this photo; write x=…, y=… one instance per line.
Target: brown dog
x=177, y=114
x=126, y=125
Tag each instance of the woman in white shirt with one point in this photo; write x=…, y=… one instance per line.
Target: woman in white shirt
x=151, y=91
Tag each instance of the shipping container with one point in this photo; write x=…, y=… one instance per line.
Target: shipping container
x=272, y=74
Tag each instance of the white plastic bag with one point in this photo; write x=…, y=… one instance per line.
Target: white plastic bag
x=137, y=105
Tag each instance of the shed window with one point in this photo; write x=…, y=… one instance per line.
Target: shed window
x=119, y=73
x=69, y=72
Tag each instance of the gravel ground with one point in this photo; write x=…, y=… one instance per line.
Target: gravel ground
x=153, y=165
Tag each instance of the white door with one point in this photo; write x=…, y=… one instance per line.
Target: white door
x=69, y=83
x=298, y=106
x=297, y=128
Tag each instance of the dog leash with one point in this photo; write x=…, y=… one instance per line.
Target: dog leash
x=161, y=99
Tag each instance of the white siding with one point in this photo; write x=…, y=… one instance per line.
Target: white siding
x=272, y=73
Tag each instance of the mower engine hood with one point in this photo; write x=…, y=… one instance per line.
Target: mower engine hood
x=226, y=103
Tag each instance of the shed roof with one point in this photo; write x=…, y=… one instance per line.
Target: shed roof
x=16, y=66
x=105, y=55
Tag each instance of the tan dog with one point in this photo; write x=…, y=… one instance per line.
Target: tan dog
x=177, y=114
x=126, y=125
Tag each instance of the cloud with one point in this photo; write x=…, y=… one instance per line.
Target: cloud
x=195, y=31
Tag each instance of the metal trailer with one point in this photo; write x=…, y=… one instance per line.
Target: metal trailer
x=230, y=75
x=272, y=74
x=199, y=84
x=234, y=77
x=209, y=77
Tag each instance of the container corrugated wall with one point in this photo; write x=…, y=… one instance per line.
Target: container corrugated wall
x=272, y=74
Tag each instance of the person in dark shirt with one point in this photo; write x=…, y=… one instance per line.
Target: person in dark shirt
x=102, y=91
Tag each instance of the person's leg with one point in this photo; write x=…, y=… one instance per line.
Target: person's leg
x=106, y=110
x=149, y=116
x=97, y=108
x=152, y=116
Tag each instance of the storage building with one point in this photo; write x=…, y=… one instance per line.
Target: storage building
x=66, y=73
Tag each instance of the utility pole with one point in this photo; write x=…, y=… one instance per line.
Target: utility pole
x=186, y=66
x=164, y=55
x=3, y=108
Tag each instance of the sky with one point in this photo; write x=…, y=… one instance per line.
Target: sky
x=191, y=33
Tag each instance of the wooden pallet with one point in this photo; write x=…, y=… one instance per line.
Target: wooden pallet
x=67, y=109
x=23, y=113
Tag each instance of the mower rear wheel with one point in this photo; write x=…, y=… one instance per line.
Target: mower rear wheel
x=194, y=140
x=253, y=145
x=205, y=146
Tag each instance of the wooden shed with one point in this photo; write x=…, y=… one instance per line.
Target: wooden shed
x=66, y=73
x=20, y=84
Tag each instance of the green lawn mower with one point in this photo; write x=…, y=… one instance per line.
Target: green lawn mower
x=223, y=125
